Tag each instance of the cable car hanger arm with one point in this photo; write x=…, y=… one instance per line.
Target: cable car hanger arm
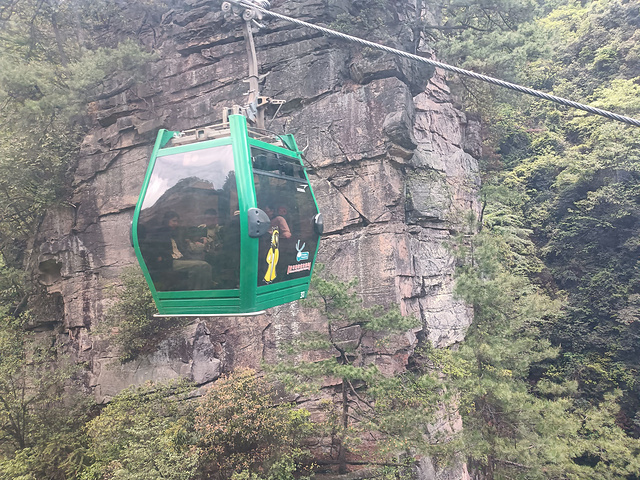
x=249, y=4
x=254, y=108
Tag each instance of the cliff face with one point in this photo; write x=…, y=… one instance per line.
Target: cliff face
x=391, y=161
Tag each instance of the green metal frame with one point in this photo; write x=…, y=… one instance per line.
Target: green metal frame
x=249, y=299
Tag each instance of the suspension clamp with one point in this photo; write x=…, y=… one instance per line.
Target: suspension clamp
x=243, y=8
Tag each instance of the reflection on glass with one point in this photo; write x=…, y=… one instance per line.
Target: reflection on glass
x=274, y=164
x=188, y=228
x=283, y=193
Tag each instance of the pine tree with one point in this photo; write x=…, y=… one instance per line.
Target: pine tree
x=519, y=419
x=394, y=410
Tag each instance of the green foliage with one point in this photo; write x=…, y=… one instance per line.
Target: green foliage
x=342, y=307
x=404, y=409
x=395, y=409
x=605, y=450
x=238, y=429
x=144, y=433
x=33, y=166
x=39, y=90
x=573, y=203
x=131, y=321
x=41, y=409
x=338, y=302
x=245, y=432
x=51, y=66
x=520, y=419
x=505, y=424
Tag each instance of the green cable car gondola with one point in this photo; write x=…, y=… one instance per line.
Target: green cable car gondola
x=226, y=222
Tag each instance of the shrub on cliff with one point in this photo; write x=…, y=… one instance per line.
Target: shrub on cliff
x=130, y=319
x=41, y=409
x=238, y=429
x=246, y=433
x=371, y=417
x=52, y=66
x=520, y=418
x=130, y=322
x=145, y=433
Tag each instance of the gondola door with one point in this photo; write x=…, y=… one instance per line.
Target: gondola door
x=286, y=254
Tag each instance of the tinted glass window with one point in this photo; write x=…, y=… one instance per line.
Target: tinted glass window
x=283, y=193
x=269, y=162
x=188, y=228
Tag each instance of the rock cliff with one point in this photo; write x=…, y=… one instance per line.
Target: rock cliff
x=391, y=161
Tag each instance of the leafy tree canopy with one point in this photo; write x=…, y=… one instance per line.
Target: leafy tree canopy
x=56, y=57
x=564, y=183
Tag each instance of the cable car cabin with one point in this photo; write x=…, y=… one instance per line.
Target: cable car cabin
x=226, y=222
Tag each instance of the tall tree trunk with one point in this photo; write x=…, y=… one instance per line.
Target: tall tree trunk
x=342, y=453
x=64, y=60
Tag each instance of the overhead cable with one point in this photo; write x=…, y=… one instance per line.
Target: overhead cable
x=444, y=66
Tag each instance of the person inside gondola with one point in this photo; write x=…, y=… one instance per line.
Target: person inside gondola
x=225, y=254
x=279, y=222
x=198, y=272
x=207, y=236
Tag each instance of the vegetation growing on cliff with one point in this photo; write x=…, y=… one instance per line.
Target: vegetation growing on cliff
x=562, y=186
x=571, y=179
x=238, y=429
x=41, y=409
x=55, y=58
x=560, y=190
x=130, y=324
x=395, y=409
x=520, y=419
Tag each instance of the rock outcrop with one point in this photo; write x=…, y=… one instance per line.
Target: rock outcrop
x=391, y=161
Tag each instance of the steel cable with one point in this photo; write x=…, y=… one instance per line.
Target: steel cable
x=444, y=66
